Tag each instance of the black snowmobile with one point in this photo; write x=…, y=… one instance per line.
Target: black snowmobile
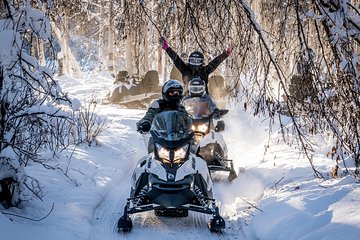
x=208, y=143
x=171, y=180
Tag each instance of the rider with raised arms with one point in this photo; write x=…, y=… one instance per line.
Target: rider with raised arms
x=195, y=66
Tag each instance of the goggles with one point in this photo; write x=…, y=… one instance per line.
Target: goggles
x=195, y=61
x=174, y=92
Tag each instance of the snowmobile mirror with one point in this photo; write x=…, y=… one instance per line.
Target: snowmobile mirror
x=223, y=112
x=220, y=126
x=218, y=113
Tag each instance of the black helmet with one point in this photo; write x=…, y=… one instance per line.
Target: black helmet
x=196, y=58
x=172, y=90
x=197, y=87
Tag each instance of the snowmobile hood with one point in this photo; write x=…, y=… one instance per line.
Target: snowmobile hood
x=171, y=128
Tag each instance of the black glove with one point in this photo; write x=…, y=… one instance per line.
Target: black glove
x=144, y=127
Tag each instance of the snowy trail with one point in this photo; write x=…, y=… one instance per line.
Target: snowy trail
x=109, y=209
x=126, y=148
x=230, y=196
x=106, y=215
x=274, y=197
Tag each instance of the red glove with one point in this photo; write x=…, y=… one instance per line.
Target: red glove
x=228, y=51
x=164, y=43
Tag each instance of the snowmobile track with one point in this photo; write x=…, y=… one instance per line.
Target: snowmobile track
x=106, y=216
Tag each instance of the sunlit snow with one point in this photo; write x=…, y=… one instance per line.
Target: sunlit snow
x=275, y=196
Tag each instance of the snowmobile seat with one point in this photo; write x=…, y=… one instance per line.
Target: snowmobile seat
x=150, y=82
x=121, y=77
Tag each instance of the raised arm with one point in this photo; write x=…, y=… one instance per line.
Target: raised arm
x=178, y=62
x=213, y=64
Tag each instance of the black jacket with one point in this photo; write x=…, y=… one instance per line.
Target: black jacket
x=158, y=106
x=188, y=72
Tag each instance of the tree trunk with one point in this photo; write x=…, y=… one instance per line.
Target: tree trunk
x=146, y=49
x=2, y=109
x=166, y=62
x=136, y=51
x=65, y=46
x=101, y=42
x=3, y=10
x=159, y=57
x=32, y=45
x=40, y=50
x=111, y=45
x=128, y=53
x=67, y=63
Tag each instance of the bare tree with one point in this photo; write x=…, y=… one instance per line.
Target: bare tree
x=279, y=47
x=294, y=57
x=32, y=104
x=321, y=86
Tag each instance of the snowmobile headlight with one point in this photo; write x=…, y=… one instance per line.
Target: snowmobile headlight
x=172, y=156
x=203, y=128
x=162, y=152
x=180, y=153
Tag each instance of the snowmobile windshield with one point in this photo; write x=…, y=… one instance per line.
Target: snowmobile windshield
x=199, y=107
x=171, y=128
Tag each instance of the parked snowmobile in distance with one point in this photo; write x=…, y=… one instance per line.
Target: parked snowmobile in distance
x=171, y=180
x=207, y=142
x=135, y=92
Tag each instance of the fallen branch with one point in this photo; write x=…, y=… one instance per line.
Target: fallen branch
x=32, y=219
x=252, y=205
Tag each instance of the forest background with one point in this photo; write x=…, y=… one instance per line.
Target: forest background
x=298, y=58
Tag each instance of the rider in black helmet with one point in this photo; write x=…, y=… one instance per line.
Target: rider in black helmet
x=195, y=66
x=196, y=60
x=172, y=93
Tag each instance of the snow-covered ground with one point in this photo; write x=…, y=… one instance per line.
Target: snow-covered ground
x=276, y=195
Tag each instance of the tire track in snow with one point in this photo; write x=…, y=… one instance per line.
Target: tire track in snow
x=108, y=211
x=106, y=216
x=110, y=208
x=155, y=227
x=200, y=220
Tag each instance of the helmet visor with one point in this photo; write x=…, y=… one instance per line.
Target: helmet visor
x=196, y=89
x=195, y=61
